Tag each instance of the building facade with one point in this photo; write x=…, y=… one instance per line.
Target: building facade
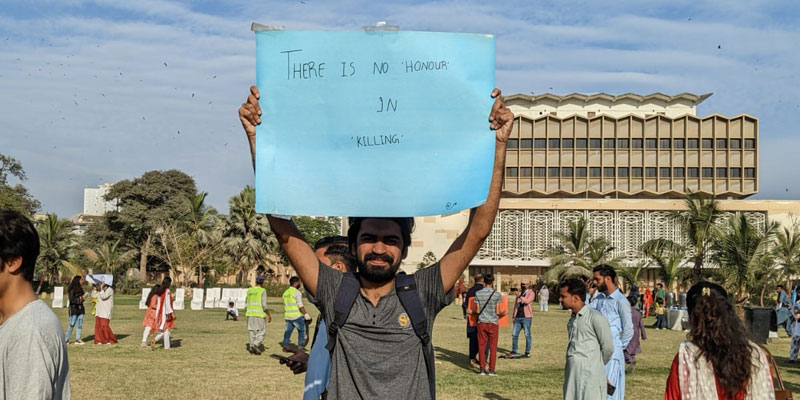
x=622, y=163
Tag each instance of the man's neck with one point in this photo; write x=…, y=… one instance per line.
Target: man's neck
x=374, y=291
x=577, y=308
x=16, y=296
x=609, y=290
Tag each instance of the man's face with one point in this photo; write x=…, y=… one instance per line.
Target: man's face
x=523, y=286
x=379, y=249
x=778, y=289
x=567, y=300
x=600, y=282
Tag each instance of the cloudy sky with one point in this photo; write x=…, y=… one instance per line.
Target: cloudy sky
x=104, y=90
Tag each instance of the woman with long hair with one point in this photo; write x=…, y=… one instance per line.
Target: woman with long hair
x=164, y=315
x=149, y=321
x=76, y=311
x=718, y=361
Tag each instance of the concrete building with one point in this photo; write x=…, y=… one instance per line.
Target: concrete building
x=94, y=203
x=622, y=163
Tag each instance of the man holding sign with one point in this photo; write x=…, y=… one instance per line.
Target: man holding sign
x=376, y=353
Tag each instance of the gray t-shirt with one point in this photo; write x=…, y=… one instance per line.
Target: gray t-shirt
x=33, y=355
x=488, y=297
x=377, y=354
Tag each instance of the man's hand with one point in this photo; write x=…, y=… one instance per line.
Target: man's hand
x=500, y=118
x=250, y=115
x=298, y=362
x=269, y=318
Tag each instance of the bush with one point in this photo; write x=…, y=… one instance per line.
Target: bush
x=126, y=285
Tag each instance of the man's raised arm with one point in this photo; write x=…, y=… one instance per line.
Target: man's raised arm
x=299, y=252
x=481, y=218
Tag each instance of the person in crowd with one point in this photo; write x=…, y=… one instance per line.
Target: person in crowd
x=634, y=293
x=257, y=314
x=647, y=302
x=232, y=312
x=794, y=348
x=544, y=297
x=783, y=310
x=105, y=306
x=472, y=331
x=590, y=345
x=634, y=347
x=458, y=293
x=164, y=316
x=76, y=311
x=33, y=353
x=522, y=319
x=294, y=312
x=149, y=320
x=718, y=361
x=487, y=301
x=376, y=323
x=660, y=293
x=660, y=312
x=615, y=307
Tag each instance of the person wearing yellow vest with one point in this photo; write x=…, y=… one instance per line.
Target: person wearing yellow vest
x=295, y=314
x=256, y=313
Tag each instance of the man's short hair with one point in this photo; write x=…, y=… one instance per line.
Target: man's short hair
x=779, y=287
x=18, y=238
x=293, y=280
x=488, y=279
x=330, y=241
x=340, y=253
x=659, y=285
x=574, y=287
x=230, y=304
x=406, y=227
x=606, y=270
x=478, y=278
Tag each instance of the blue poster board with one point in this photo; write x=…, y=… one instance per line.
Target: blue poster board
x=373, y=123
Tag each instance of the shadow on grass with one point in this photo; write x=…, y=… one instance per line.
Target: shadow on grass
x=453, y=357
x=494, y=396
x=118, y=336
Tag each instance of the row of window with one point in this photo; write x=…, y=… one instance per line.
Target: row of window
x=625, y=143
x=625, y=172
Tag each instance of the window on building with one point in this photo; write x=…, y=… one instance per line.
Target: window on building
x=636, y=143
x=591, y=114
x=608, y=172
x=539, y=172
x=677, y=172
x=581, y=143
x=594, y=172
x=595, y=143
x=622, y=172
x=650, y=172
x=566, y=172
x=513, y=143
x=609, y=143
x=540, y=143
x=722, y=143
x=622, y=143
x=525, y=172
x=580, y=172
x=664, y=172
x=665, y=143
x=736, y=172
x=749, y=143
x=511, y=172
x=636, y=172
x=526, y=143
x=736, y=143
x=722, y=172
x=693, y=172
x=680, y=143
x=651, y=143
x=693, y=143
x=749, y=172
x=708, y=172
x=552, y=172
x=567, y=143
x=708, y=143
x=554, y=143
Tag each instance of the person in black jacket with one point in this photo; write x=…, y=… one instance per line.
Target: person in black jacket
x=76, y=311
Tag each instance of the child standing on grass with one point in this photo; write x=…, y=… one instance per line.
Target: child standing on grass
x=661, y=323
x=232, y=312
x=795, y=349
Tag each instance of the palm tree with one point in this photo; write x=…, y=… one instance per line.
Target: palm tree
x=55, y=241
x=578, y=253
x=109, y=257
x=742, y=251
x=631, y=274
x=697, y=224
x=668, y=256
x=787, y=252
x=247, y=237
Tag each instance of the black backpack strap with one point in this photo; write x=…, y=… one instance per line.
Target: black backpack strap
x=348, y=290
x=406, y=288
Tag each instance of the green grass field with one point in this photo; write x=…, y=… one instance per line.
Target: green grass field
x=209, y=361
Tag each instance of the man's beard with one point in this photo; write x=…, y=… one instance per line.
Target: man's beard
x=603, y=288
x=378, y=274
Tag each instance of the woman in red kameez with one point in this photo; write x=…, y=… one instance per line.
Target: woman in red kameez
x=718, y=361
x=149, y=320
x=165, y=315
x=648, y=301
